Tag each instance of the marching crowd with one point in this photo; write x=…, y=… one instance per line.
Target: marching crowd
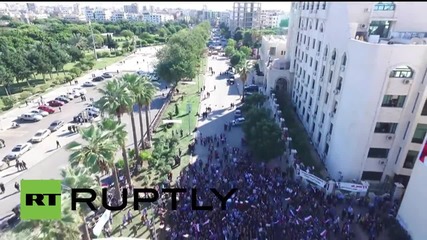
x=268, y=204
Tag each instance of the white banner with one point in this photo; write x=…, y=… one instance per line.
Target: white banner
x=353, y=187
x=312, y=178
x=101, y=223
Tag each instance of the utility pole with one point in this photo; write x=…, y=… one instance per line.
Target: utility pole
x=93, y=40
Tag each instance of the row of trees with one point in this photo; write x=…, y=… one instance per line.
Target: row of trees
x=262, y=134
x=96, y=156
x=46, y=46
x=181, y=57
x=237, y=53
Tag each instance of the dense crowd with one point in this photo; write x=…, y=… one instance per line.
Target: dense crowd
x=267, y=205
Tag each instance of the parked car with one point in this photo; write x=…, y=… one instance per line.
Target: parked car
x=32, y=117
x=85, y=116
x=69, y=95
x=251, y=88
x=19, y=150
x=98, y=79
x=46, y=109
x=63, y=99
x=39, y=112
x=92, y=109
x=55, y=125
x=237, y=121
x=40, y=135
x=106, y=75
x=238, y=114
x=55, y=103
x=230, y=82
x=88, y=84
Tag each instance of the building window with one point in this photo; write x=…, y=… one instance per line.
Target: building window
x=339, y=84
x=315, y=65
x=311, y=61
x=424, y=111
x=344, y=60
x=402, y=72
x=326, y=52
x=322, y=72
x=319, y=137
x=420, y=133
x=326, y=149
x=410, y=159
x=331, y=128
x=382, y=127
x=319, y=46
x=272, y=51
x=385, y=6
x=323, y=118
x=282, y=52
x=307, y=119
x=317, y=20
x=313, y=43
x=372, y=176
x=378, y=152
x=393, y=101
x=334, y=55
x=326, y=98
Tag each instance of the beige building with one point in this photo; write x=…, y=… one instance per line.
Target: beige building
x=246, y=15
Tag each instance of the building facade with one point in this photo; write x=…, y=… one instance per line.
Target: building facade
x=157, y=18
x=270, y=18
x=358, y=82
x=132, y=8
x=246, y=15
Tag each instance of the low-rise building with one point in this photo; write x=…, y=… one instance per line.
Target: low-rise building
x=74, y=18
x=156, y=18
x=118, y=16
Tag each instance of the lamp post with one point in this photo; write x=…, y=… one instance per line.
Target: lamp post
x=93, y=40
x=189, y=117
x=198, y=77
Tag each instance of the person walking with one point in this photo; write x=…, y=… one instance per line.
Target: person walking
x=60, y=109
x=2, y=188
x=24, y=165
x=17, y=186
x=57, y=144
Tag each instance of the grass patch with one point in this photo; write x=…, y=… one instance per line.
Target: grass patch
x=300, y=139
x=190, y=96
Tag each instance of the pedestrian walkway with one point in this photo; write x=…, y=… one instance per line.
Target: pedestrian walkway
x=221, y=96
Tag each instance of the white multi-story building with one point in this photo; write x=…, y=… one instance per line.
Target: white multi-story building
x=157, y=18
x=76, y=9
x=246, y=15
x=411, y=212
x=132, y=8
x=270, y=18
x=224, y=17
x=101, y=15
x=118, y=16
x=74, y=18
x=358, y=84
x=89, y=14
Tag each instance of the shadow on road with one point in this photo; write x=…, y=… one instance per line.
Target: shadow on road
x=51, y=150
x=10, y=174
x=8, y=195
x=66, y=134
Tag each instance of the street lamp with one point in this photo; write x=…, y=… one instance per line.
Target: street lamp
x=189, y=117
x=93, y=40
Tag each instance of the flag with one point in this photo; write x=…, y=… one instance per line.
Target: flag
x=423, y=153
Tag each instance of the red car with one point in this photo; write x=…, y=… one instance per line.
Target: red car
x=55, y=103
x=46, y=109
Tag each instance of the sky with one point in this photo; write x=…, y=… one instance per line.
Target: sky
x=211, y=5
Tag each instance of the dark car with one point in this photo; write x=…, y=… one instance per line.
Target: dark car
x=230, y=81
x=98, y=79
x=55, y=103
x=251, y=88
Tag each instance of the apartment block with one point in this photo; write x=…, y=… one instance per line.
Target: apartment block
x=246, y=15
x=359, y=84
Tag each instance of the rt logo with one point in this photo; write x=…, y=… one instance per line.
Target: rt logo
x=40, y=199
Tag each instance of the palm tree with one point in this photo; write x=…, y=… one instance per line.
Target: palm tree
x=133, y=83
x=81, y=177
x=67, y=228
x=97, y=154
x=116, y=100
x=146, y=97
x=78, y=41
x=243, y=69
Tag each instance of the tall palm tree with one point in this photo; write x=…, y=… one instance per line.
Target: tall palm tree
x=97, y=154
x=81, y=177
x=243, y=69
x=146, y=97
x=116, y=100
x=67, y=228
x=133, y=83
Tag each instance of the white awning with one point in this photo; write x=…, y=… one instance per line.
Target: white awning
x=172, y=121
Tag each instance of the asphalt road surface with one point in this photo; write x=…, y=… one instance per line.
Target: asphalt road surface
x=44, y=160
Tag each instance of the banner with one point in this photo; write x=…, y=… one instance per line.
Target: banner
x=353, y=187
x=101, y=223
x=312, y=178
x=423, y=152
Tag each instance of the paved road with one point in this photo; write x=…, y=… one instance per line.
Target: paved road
x=44, y=161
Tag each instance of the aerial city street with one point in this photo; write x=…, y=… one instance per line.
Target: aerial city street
x=290, y=120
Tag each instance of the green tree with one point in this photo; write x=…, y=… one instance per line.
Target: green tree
x=247, y=39
x=236, y=58
x=115, y=100
x=238, y=35
x=127, y=34
x=229, y=51
x=246, y=51
x=243, y=69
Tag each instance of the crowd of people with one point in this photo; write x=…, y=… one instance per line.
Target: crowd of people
x=269, y=204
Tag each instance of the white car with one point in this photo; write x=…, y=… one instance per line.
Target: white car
x=92, y=109
x=19, y=150
x=40, y=135
x=40, y=112
x=88, y=84
x=237, y=121
x=30, y=117
x=68, y=95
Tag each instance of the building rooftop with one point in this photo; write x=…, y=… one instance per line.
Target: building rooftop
x=275, y=37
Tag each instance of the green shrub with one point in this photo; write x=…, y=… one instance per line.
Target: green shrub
x=43, y=88
x=118, y=52
x=68, y=78
x=84, y=67
x=143, y=43
x=33, y=91
x=25, y=95
x=150, y=41
x=76, y=71
x=8, y=101
x=54, y=83
x=106, y=54
x=120, y=164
